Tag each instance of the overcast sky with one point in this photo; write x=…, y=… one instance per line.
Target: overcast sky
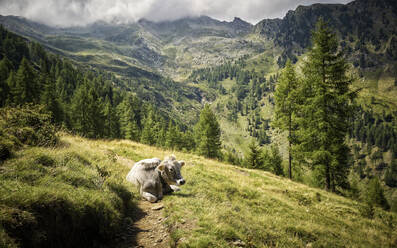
x=81, y=12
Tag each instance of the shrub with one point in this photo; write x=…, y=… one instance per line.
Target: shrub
x=27, y=125
x=5, y=149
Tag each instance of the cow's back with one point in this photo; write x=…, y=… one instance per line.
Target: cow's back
x=143, y=170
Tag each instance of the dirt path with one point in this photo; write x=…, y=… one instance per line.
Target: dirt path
x=149, y=226
x=148, y=229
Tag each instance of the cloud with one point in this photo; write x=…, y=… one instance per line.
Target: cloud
x=82, y=12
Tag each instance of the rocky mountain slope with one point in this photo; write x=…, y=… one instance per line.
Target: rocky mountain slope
x=170, y=48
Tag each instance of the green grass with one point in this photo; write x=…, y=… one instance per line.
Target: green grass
x=220, y=204
x=67, y=196
x=378, y=91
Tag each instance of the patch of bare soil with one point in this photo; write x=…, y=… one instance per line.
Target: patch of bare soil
x=149, y=228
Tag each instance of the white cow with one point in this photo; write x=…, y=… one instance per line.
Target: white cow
x=154, y=177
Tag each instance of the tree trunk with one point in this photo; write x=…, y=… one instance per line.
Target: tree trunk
x=327, y=177
x=289, y=149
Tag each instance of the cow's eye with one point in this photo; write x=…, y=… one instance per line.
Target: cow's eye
x=171, y=170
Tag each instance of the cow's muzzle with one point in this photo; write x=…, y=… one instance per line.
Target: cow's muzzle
x=180, y=181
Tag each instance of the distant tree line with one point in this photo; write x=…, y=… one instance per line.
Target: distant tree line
x=375, y=130
x=251, y=87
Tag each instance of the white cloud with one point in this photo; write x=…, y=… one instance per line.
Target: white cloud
x=81, y=12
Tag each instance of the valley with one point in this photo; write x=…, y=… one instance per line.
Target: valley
x=139, y=89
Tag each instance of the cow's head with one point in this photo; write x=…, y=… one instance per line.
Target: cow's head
x=170, y=170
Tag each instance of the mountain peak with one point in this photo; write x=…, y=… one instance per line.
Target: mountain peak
x=241, y=24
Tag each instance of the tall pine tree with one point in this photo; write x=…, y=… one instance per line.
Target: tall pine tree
x=254, y=158
x=26, y=88
x=5, y=69
x=326, y=109
x=49, y=100
x=286, y=98
x=208, y=134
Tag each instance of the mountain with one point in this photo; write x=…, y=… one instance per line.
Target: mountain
x=171, y=47
x=147, y=82
x=364, y=26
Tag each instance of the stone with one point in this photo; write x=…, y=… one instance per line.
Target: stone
x=158, y=207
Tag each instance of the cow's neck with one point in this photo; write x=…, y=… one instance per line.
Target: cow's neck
x=163, y=182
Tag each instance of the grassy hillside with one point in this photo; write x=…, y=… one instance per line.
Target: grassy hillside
x=220, y=206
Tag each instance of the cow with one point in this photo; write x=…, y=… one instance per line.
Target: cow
x=154, y=177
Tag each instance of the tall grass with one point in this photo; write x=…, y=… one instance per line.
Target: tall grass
x=54, y=193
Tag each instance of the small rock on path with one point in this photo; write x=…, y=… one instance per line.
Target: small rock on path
x=150, y=232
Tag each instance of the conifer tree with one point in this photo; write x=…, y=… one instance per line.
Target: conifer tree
x=80, y=101
x=129, y=112
x=208, y=133
x=11, y=85
x=49, y=100
x=326, y=110
x=95, y=111
x=254, y=157
x=286, y=99
x=149, y=131
x=172, y=136
x=391, y=175
x=26, y=89
x=111, y=120
x=5, y=69
x=375, y=194
x=276, y=161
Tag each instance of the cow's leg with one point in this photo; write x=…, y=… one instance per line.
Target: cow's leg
x=175, y=188
x=146, y=190
x=159, y=190
x=149, y=197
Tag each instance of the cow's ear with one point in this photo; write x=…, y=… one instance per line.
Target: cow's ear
x=161, y=167
x=182, y=163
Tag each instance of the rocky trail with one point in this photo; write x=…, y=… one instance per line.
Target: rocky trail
x=149, y=226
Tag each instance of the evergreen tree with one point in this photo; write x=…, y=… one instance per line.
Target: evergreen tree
x=286, y=99
x=96, y=112
x=149, y=131
x=208, y=133
x=172, y=136
x=80, y=101
x=111, y=124
x=391, y=175
x=26, y=89
x=376, y=195
x=5, y=69
x=129, y=112
x=326, y=110
x=254, y=157
x=49, y=100
x=276, y=161
x=161, y=137
x=11, y=85
x=88, y=111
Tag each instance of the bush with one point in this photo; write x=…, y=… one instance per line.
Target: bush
x=27, y=125
x=5, y=149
